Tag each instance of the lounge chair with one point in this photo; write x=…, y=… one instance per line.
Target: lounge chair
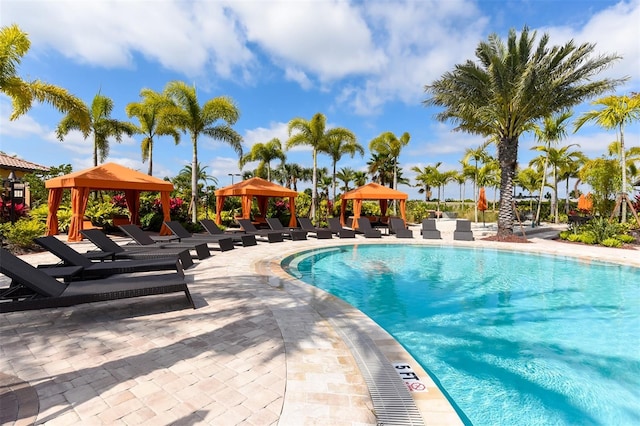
x=271, y=236
x=365, y=228
x=106, y=244
x=463, y=230
x=429, y=230
x=320, y=233
x=224, y=241
x=90, y=269
x=397, y=227
x=144, y=239
x=336, y=227
x=212, y=228
x=31, y=288
x=293, y=233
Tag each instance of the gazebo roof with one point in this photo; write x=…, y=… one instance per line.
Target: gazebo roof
x=256, y=186
x=110, y=176
x=374, y=191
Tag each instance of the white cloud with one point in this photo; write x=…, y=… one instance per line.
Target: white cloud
x=265, y=134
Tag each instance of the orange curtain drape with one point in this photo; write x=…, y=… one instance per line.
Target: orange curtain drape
x=132, y=198
x=165, y=199
x=357, y=209
x=246, y=206
x=53, y=201
x=263, y=202
x=292, y=209
x=219, y=206
x=403, y=210
x=79, y=199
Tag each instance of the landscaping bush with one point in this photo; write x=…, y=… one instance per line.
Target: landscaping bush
x=21, y=233
x=627, y=239
x=587, y=238
x=612, y=242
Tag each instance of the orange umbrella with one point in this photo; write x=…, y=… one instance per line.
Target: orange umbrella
x=482, y=202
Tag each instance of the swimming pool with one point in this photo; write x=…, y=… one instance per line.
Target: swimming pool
x=512, y=338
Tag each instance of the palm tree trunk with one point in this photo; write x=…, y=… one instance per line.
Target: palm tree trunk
x=623, y=161
x=566, y=204
x=555, y=195
x=475, y=194
x=333, y=199
x=194, y=181
x=508, y=158
x=150, y=172
x=314, y=185
x=544, y=178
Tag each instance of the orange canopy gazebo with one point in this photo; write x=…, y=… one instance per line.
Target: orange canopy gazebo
x=262, y=190
x=109, y=176
x=372, y=191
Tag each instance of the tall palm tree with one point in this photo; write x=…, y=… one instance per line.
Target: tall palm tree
x=632, y=156
x=388, y=143
x=359, y=178
x=14, y=44
x=569, y=168
x=315, y=134
x=213, y=119
x=265, y=153
x=336, y=148
x=552, y=131
x=513, y=85
x=461, y=180
x=102, y=126
x=151, y=114
x=380, y=167
x=427, y=178
x=616, y=112
x=478, y=155
x=346, y=175
x=182, y=180
x=557, y=158
x=529, y=179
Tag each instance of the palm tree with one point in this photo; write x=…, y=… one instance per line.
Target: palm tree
x=314, y=133
x=617, y=111
x=569, y=169
x=151, y=114
x=265, y=153
x=102, y=126
x=427, y=178
x=197, y=120
x=632, y=156
x=14, y=44
x=478, y=154
x=336, y=148
x=182, y=181
x=512, y=86
x=529, y=179
x=359, y=178
x=380, y=167
x=557, y=158
x=388, y=143
x=553, y=130
x=346, y=175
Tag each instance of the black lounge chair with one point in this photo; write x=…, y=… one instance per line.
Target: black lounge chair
x=336, y=227
x=271, y=236
x=293, y=233
x=31, y=288
x=144, y=239
x=106, y=244
x=429, y=230
x=397, y=227
x=463, y=230
x=212, y=228
x=90, y=269
x=320, y=233
x=364, y=227
x=225, y=242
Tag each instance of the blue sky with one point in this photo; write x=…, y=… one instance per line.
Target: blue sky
x=363, y=64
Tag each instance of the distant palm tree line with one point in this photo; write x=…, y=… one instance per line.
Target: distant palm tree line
x=500, y=96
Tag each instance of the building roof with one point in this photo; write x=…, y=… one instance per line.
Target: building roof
x=14, y=163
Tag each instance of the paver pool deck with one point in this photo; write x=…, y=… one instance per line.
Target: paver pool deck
x=261, y=348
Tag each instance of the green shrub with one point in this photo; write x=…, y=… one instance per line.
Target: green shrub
x=588, y=238
x=22, y=233
x=574, y=237
x=564, y=235
x=602, y=229
x=625, y=238
x=611, y=242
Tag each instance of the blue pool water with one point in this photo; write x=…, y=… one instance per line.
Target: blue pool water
x=512, y=338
